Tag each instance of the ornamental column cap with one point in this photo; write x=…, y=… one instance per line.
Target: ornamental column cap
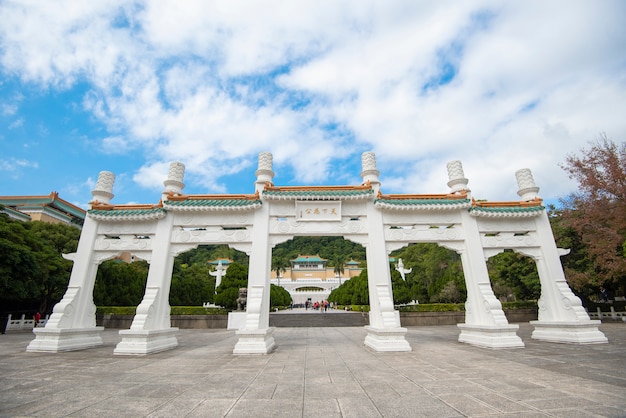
x=174, y=183
x=103, y=192
x=528, y=190
x=264, y=173
x=369, y=173
x=457, y=182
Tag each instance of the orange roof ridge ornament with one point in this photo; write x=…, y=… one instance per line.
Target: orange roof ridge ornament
x=182, y=197
x=443, y=196
x=96, y=205
x=530, y=203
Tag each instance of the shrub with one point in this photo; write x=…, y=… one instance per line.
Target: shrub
x=434, y=307
x=174, y=310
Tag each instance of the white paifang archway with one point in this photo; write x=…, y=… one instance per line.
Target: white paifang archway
x=257, y=222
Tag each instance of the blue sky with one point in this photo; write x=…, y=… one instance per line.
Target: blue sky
x=130, y=86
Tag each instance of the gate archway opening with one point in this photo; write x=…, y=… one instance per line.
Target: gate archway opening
x=434, y=274
x=311, y=267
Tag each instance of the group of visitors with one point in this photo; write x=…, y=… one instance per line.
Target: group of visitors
x=322, y=306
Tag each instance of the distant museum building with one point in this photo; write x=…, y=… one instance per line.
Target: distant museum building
x=50, y=208
x=310, y=278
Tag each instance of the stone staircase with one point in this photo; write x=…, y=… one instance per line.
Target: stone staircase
x=318, y=319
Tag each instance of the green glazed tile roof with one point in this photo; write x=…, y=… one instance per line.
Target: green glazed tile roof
x=418, y=202
x=126, y=212
x=309, y=258
x=212, y=203
x=509, y=209
x=319, y=194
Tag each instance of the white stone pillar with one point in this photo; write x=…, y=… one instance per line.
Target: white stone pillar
x=72, y=325
x=151, y=329
x=384, y=332
x=485, y=323
x=256, y=336
x=561, y=317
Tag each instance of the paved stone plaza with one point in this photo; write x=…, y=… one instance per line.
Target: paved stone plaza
x=318, y=372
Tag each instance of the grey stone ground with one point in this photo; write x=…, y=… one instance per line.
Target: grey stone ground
x=318, y=372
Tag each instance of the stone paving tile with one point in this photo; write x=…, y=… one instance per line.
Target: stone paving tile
x=502, y=403
x=534, y=394
x=213, y=407
x=411, y=407
x=119, y=406
x=562, y=402
x=326, y=408
x=579, y=413
x=177, y=407
x=289, y=391
x=275, y=408
x=470, y=406
x=357, y=407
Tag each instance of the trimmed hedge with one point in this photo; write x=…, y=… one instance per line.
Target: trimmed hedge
x=423, y=307
x=519, y=305
x=460, y=307
x=433, y=307
x=116, y=310
x=174, y=310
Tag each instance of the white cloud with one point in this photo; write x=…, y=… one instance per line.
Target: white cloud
x=8, y=109
x=17, y=123
x=500, y=86
x=116, y=145
x=15, y=164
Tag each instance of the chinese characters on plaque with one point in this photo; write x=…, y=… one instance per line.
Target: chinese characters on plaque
x=318, y=211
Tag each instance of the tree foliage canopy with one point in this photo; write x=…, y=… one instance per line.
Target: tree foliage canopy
x=33, y=272
x=596, y=216
x=119, y=283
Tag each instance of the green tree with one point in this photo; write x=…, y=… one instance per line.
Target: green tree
x=58, y=239
x=20, y=269
x=280, y=264
x=120, y=284
x=236, y=278
x=514, y=276
x=352, y=292
x=33, y=272
x=338, y=261
x=192, y=285
x=449, y=294
x=401, y=290
x=433, y=267
x=279, y=297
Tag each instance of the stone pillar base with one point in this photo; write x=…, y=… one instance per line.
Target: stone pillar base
x=586, y=332
x=383, y=339
x=257, y=341
x=55, y=340
x=236, y=321
x=141, y=342
x=490, y=336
